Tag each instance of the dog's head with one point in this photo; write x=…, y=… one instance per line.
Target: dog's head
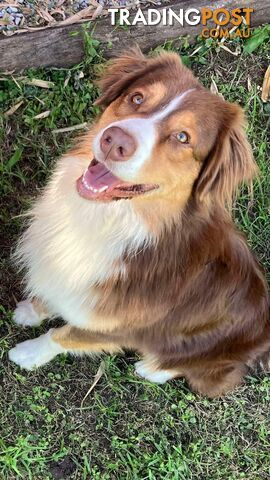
x=163, y=135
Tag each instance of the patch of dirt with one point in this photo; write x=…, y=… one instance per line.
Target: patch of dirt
x=62, y=470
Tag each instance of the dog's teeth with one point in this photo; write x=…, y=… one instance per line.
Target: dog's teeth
x=99, y=190
x=102, y=189
x=85, y=184
x=92, y=189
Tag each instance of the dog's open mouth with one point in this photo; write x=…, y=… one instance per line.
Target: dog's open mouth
x=99, y=183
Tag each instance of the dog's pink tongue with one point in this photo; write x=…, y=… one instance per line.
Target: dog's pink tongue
x=99, y=177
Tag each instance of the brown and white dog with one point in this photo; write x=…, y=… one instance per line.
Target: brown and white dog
x=131, y=243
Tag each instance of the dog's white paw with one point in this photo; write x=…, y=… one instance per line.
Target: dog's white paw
x=155, y=376
x=34, y=353
x=26, y=315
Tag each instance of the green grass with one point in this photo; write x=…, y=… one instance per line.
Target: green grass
x=126, y=428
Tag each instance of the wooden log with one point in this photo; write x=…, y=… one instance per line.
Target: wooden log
x=59, y=47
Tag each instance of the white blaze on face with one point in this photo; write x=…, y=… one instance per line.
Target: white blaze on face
x=144, y=130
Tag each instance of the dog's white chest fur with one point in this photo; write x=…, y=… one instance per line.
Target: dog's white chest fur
x=73, y=244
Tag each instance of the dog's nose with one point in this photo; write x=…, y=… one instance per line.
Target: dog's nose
x=117, y=145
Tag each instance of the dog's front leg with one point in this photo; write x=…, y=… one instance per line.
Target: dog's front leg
x=34, y=353
x=30, y=313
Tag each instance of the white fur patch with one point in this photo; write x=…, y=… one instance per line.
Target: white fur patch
x=26, y=315
x=158, y=376
x=34, y=353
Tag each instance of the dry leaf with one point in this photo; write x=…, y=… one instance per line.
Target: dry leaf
x=235, y=53
x=80, y=15
x=195, y=51
x=67, y=79
x=9, y=33
x=40, y=101
x=97, y=377
x=45, y=15
x=214, y=88
x=70, y=129
x=42, y=115
x=39, y=83
x=13, y=109
x=266, y=85
x=97, y=12
x=32, y=29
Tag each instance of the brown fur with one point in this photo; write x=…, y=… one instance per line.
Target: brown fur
x=77, y=340
x=129, y=68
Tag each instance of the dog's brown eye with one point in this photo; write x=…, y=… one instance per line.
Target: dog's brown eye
x=137, y=98
x=182, y=137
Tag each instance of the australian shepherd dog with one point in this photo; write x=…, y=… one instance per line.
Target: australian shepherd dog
x=132, y=242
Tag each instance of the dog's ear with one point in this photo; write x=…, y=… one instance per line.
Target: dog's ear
x=230, y=161
x=118, y=74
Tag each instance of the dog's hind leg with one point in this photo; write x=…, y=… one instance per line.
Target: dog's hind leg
x=212, y=381
x=217, y=382
x=30, y=313
x=34, y=353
